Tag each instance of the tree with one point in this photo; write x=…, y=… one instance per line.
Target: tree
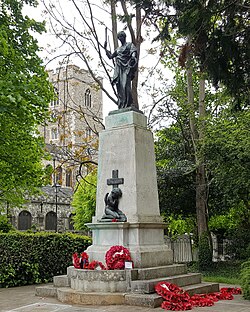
x=175, y=172
x=224, y=148
x=227, y=150
x=209, y=29
x=188, y=93
x=84, y=201
x=176, y=179
x=24, y=96
x=216, y=32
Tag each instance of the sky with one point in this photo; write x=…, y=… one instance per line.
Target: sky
x=52, y=47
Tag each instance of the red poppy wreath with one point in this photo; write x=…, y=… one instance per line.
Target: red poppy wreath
x=115, y=260
x=116, y=256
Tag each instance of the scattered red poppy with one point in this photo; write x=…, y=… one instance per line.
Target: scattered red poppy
x=96, y=264
x=176, y=299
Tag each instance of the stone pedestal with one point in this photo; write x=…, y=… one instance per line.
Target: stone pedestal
x=127, y=145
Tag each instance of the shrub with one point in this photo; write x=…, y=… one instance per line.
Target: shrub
x=245, y=279
x=5, y=225
x=205, y=254
x=84, y=201
x=28, y=258
x=178, y=225
x=238, y=247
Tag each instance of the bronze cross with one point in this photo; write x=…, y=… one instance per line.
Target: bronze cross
x=115, y=181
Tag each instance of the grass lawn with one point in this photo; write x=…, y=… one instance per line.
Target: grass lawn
x=226, y=272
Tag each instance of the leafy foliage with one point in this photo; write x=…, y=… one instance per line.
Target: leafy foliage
x=238, y=246
x=35, y=258
x=5, y=225
x=179, y=225
x=24, y=96
x=175, y=172
x=204, y=252
x=245, y=279
x=227, y=149
x=219, y=34
x=84, y=201
x=235, y=218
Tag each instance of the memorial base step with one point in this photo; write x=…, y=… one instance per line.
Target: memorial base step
x=140, y=284
x=70, y=296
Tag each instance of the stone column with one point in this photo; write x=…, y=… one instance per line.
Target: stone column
x=127, y=145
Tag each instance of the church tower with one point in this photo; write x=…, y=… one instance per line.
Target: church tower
x=71, y=138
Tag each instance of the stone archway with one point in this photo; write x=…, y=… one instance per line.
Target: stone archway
x=24, y=220
x=51, y=221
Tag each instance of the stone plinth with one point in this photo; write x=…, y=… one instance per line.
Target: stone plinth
x=127, y=145
x=144, y=241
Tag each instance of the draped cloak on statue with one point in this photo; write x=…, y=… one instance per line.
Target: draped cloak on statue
x=124, y=72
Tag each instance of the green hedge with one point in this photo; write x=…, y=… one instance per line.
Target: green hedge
x=245, y=279
x=27, y=258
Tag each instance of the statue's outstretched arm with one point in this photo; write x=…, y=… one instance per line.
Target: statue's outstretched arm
x=108, y=53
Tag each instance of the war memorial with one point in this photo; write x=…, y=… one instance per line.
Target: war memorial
x=127, y=211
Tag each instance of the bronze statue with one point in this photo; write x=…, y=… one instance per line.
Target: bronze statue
x=125, y=67
x=112, y=213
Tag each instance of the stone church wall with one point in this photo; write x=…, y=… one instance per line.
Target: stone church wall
x=64, y=135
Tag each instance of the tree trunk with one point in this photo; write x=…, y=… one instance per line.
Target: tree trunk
x=138, y=46
x=114, y=23
x=201, y=200
x=197, y=135
x=190, y=93
x=201, y=181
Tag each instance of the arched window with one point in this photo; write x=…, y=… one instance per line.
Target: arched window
x=51, y=221
x=87, y=100
x=54, y=134
x=55, y=101
x=24, y=220
x=69, y=177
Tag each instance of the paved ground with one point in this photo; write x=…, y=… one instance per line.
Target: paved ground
x=23, y=299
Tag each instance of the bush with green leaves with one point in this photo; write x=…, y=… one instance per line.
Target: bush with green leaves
x=205, y=253
x=28, y=258
x=245, y=279
x=234, y=225
x=5, y=225
x=238, y=246
x=178, y=225
x=84, y=201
